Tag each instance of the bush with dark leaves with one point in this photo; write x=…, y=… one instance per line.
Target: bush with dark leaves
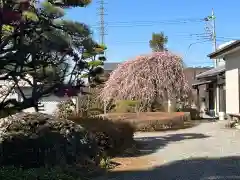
x=11, y=173
x=32, y=140
x=113, y=137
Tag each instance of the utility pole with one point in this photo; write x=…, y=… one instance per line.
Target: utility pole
x=214, y=35
x=211, y=29
x=216, y=60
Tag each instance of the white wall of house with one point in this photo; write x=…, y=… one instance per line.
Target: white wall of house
x=220, y=62
x=12, y=95
x=232, y=82
x=50, y=102
x=4, y=89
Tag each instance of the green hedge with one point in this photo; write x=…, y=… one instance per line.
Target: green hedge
x=113, y=137
x=33, y=140
x=11, y=173
x=152, y=121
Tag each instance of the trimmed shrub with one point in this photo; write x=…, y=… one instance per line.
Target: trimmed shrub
x=159, y=125
x=152, y=121
x=10, y=173
x=54, y=173
x=194, y=113
x=113, y=137
x=65, y=109
x=124, y=106
x=89, y=104
x=32, y=140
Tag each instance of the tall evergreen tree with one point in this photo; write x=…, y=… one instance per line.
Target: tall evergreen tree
x=158, y=42
x=36, y=40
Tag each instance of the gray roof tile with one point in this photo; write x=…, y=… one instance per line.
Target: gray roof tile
x=211, y=72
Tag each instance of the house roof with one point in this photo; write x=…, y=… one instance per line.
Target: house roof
x=220, y=53
x=110, y=66
x=201, y=83
x=211, y=72
x=191, y=72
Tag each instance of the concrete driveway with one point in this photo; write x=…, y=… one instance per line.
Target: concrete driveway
x=208, y=151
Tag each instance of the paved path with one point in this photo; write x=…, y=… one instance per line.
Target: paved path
x=208, y=151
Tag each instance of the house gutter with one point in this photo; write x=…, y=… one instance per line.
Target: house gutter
x=225, y=49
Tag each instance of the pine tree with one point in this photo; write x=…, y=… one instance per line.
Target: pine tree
x=158, y=42
x=36, y=40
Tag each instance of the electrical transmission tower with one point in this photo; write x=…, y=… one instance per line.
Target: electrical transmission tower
x=102, y=14
x=102, y=32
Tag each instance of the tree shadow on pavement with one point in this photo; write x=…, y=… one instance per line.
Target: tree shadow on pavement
x=224, y=168
x=149, y=145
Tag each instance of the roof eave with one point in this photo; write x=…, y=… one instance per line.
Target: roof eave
x=211, y=73
x=225, y=50
x=200, y=83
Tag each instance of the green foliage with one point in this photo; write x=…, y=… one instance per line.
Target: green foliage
x=36, y=39
x=30, y=16
x=124, y=106
x=11, y=173
x=95, y=63
x=90, y=104
x=65, y=109
x=72, y=3
x=113, y=137
x=102, y=46
x=102, y=58
x=106, y=163
x=39, y=140
x=158, y=42
x=7, y=30
x=153, y=121
x=160, y=125
x=52, y=11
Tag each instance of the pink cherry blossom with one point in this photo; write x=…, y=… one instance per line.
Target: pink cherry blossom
x=146, y=78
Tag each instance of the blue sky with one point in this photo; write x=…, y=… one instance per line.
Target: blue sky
x=126, y=38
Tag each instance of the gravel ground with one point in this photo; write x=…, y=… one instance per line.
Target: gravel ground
x=208, y=151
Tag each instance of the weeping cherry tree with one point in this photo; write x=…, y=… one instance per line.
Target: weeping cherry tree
x=149, y=78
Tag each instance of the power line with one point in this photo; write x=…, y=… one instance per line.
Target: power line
x=154, y=22
x=150, y=23
x=123, y=24
x=198, y=39
x=197, y=42
x=205, y=37
x=140, y=24
x=228, y=38
x=157, y=21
